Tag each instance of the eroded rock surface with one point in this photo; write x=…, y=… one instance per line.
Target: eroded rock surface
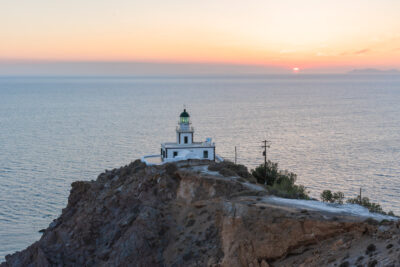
x=167, y=216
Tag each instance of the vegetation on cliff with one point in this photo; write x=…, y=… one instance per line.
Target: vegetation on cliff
x=338, y=197
x=282, y=183
x=278, y=182
x=228, y=168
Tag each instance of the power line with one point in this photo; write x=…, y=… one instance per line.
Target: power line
x=235, y=156
x=265, y=146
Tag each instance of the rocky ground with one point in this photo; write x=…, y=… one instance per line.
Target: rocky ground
x=185, y=216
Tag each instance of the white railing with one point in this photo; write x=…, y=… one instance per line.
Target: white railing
x=188, y=145
x=191, y=129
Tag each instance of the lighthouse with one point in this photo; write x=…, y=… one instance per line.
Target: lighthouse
x=185, y=147
x=184, y=131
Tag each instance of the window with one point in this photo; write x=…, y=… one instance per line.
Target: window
x=175, y=153
x=185, y=139
x=205, y=154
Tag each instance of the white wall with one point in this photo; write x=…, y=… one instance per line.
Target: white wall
x=191, y=153
x=182, y=138
x=189, y=136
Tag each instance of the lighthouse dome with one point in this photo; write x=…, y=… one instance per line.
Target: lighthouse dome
x=184, y=114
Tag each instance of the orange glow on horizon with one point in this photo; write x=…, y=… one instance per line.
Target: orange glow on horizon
x=283, y=34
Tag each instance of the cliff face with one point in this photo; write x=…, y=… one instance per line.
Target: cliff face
x=163, y=216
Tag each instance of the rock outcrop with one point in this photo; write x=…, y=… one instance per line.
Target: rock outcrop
x=182, y=216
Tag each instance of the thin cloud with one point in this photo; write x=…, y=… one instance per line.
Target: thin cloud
x=362, y=51
x=358, y=52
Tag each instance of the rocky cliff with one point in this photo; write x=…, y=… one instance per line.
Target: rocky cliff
x=187, y=216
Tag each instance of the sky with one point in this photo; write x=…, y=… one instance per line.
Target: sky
x=48, y=36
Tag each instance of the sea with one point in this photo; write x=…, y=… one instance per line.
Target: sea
x=337, y=132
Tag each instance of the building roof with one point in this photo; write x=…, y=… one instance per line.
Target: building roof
x=186, y=146
x=184, y=114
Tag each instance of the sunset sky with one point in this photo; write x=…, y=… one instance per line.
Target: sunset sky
x=311, y=35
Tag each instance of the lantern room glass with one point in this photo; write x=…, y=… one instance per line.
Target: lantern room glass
x=184, y=120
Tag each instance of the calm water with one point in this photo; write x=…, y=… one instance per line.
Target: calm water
x=336, y=132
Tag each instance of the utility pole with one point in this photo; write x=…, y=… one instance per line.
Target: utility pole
x=235, y=156
x=265, y=146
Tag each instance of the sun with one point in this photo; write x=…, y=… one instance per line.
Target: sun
x=296, y=69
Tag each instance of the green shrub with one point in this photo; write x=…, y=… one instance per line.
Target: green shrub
x=279, y=183
x=327, y=196
x=288, y=189
x=266, y=174
x=230, y=169
x=336, y=197
x=371, y=206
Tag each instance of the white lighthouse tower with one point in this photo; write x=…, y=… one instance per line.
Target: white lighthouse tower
x=184, y=132
x=185, y=147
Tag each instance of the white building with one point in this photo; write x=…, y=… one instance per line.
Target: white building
x=185, y=148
